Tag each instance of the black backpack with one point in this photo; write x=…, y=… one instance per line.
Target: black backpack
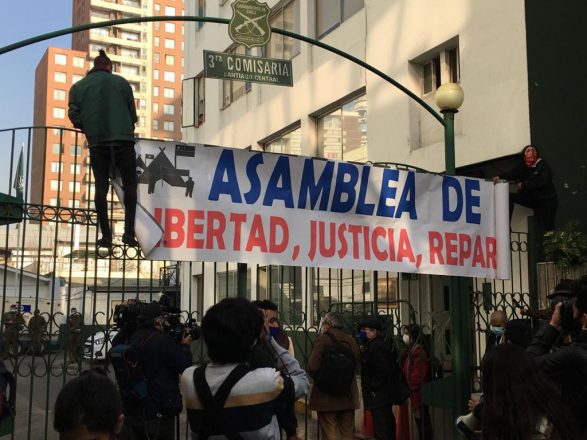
x=214, y=422
x=337, y=368
x=128, y=369
x=7, y=392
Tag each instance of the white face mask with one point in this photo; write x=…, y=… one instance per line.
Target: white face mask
x=406, y=339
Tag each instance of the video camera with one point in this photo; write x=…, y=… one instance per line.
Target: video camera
x=129, y=316
x=564, y=295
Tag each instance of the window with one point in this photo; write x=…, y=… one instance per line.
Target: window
x=58, y=95
x=129, y=53
x=74, y=186
x=73, y=203
x=57, y=148
x=168, y=126
x=287, y=18
x=157, y=57
x=60, y=77
x=170, y=60
x=169, y=92
x=342, y=132
x=169, y=76
x=60, y=59
x=135, y=3
x=58, y=112
x=169, y=10
x=155, y=91
x=56, y=167
x=134, y=86
x=76, y=150
x=169, y=109
x=169, y=43
x=156, y=74
x=331, y=13
x=157, y=25
x=155, y=124
x=127, y=69
x=79, y=62
x=100, y=31
x=53, y=202
x=75, y=169
x=157, y=7
x=289, y=143
x=232, y=90
x=439, y=69
x=75, y=78
x=170, y=27
x=155, y=108
x=156, y=41
x=130, y=36
x=56, y=185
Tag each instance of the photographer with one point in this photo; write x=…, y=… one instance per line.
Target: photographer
x=162, y=360
x=567, y=366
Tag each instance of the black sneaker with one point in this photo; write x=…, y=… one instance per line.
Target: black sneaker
x=129, y=239
x=105, y=242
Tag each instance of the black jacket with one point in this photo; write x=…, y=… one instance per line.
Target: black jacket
x=536, y=181
x=163, y=360
x=379, y=374
x=567, y=367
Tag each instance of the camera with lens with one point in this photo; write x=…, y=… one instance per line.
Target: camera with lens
x=178, y=329
x=130, y=315
x=562, y=294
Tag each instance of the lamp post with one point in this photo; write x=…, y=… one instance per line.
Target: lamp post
x=449, y=97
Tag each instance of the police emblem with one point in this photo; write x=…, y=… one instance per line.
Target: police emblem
x=249, y=24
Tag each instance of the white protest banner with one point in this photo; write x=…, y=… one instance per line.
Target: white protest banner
x=221, y=204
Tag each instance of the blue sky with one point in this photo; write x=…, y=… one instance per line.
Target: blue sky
x=22, y=19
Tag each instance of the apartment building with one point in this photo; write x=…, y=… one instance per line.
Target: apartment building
x=148, y=55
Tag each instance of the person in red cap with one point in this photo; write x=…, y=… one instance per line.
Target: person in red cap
x=535, y=187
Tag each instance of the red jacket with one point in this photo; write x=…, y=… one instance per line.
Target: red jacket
x=417, y=371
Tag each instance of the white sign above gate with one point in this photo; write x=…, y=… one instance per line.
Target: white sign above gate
x=203, y=203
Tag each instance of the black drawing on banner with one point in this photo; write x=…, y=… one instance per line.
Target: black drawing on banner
x=159, y=168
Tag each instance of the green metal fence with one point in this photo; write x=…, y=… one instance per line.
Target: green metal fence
x=51, y=264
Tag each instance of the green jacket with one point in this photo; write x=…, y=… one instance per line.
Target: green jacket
x=102, y=106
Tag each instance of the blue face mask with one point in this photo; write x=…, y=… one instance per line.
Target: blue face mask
x=274, y=331
x=363, y=337
x=497, y=331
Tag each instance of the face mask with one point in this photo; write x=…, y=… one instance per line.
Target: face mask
x=497, y=331
x=406, y=339
x=530, y=157
x=274, y=331
x=363, y=337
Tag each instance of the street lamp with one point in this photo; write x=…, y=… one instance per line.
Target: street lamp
x=449, y=97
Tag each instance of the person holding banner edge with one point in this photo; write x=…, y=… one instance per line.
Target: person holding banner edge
x=102, y=106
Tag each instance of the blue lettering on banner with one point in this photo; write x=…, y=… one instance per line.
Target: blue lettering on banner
x=253, y=194
x=345, y=187
x=448, y=183
x=230, y=185
x=274, y=191
x=472, y=201
x=316, y=190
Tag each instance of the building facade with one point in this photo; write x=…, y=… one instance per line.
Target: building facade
x=148, y=55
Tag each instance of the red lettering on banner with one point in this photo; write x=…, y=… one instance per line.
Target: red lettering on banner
x=237, y=220
x=491, y=250
x=355, y=230
x=343, y=244
x=366, y=242
x=452, y=248
x=405, y=247
x=215, y=227
x=478, y=258
x=327, y=251
x=174, y=223
x=313, y=240
x=465, y=248
x=194, y=229
x=157, y=215
x=275, y=223
x=391, y=239
x=435, y=247
x=257, y=235
x=378, y=232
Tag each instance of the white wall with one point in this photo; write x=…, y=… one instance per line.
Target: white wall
x=493, y=121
